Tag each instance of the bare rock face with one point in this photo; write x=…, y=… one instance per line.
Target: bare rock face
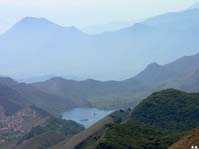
x=191, y=140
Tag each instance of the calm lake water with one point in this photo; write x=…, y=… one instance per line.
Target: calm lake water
x=85, y=116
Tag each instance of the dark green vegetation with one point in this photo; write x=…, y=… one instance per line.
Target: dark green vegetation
x=156, y=123
x=170, y=110
x=135, y=136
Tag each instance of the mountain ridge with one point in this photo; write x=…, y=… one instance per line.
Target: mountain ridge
x=58, y=47
x=180, y=74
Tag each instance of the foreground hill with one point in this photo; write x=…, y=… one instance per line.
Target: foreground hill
x=170, y=110
x=157, y=122
x=69, y=51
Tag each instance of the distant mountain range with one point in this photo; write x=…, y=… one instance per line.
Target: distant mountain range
x=109, y=27
x=42, y=47
x=181, y=74
x=58, y=94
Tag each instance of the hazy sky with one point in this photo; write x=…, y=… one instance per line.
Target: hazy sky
x=86, y=12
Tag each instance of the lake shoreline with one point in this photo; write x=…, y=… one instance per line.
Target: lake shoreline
x=85, y=116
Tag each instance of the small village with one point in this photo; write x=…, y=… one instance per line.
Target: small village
x=15, y=124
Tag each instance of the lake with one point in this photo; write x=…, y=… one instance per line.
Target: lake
x=85, y=116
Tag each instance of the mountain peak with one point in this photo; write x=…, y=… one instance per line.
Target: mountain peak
x=57, y=79
x=29, y=19
x=32, y=25
x=33, y=21
x=153, y=65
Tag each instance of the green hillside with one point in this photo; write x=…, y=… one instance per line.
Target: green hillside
x=135, y=136
x=170, y=109
x=156, y=123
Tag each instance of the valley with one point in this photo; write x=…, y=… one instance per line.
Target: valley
x=140, y=88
